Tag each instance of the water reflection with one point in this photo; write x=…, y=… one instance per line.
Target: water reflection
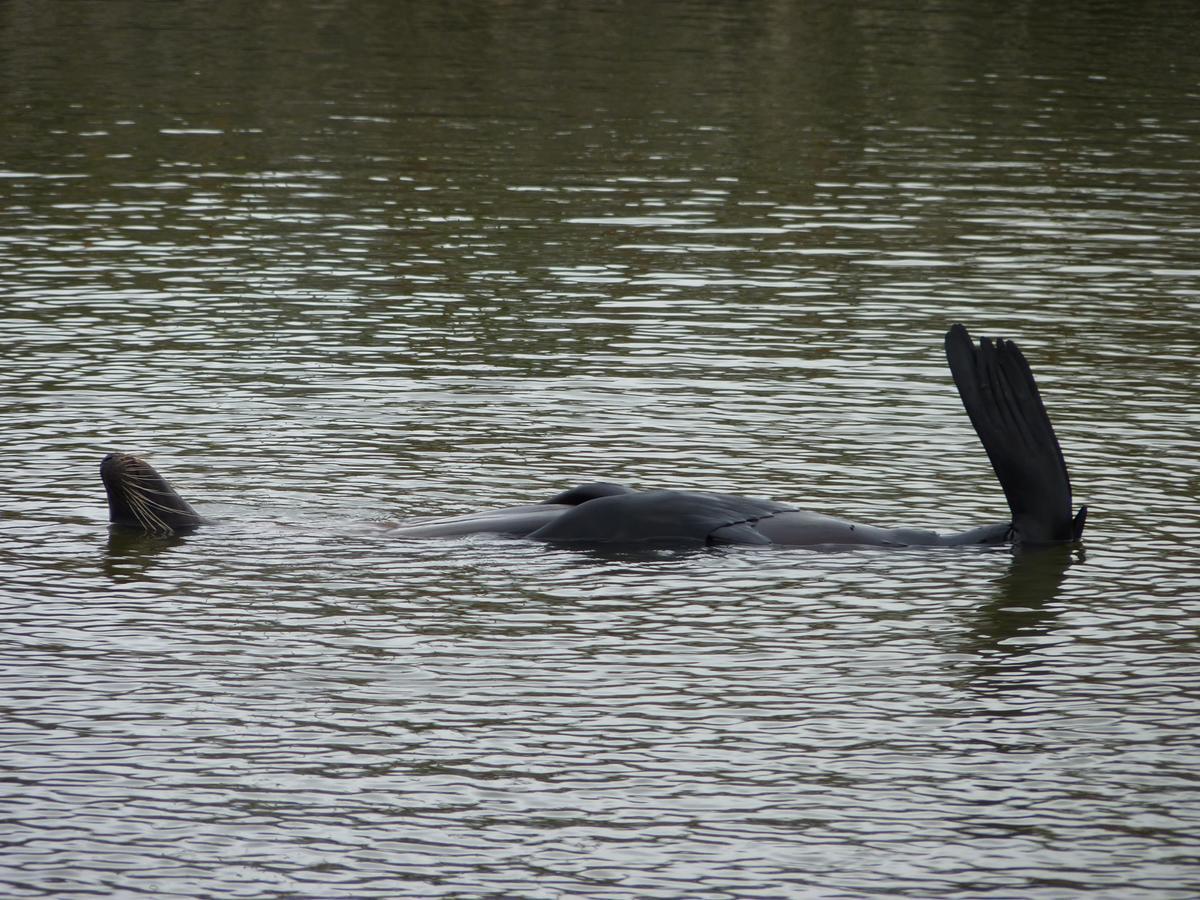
x=129, y=554
x=1022, y=609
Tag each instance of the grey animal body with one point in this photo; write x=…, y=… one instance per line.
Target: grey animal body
x=998, y=392
x=676, y=518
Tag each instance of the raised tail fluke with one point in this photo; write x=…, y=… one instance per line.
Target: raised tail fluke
x=1002, y=399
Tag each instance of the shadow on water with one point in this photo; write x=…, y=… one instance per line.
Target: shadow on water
x=128, y=555
x=1011, y=624
x=631, y=553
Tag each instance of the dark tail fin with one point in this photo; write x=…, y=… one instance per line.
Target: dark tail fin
x=1002, y=399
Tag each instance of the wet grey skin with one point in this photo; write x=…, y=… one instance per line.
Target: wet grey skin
x=998, y=392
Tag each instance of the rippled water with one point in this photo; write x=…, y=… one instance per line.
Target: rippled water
x=333, y=265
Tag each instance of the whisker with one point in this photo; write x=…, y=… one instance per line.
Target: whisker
x=144, y=512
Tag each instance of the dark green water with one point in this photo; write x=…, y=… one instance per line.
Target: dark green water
x=331, y=264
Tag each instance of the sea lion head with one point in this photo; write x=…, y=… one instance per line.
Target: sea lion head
x=140, y=498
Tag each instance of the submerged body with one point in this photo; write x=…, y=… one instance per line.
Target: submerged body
x=677, y=518
x=998, y=392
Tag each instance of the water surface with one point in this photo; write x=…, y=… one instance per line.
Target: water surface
x=332, y=265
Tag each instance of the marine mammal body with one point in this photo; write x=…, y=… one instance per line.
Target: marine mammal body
x=998, y=392
x=683, y=518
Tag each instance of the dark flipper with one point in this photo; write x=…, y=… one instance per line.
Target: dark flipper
x=1002, y=399
x=584, y=492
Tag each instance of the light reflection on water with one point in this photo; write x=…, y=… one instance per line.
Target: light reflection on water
x=342, y=312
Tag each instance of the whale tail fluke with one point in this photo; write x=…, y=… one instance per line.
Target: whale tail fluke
x=1002, y=399
x=140, y=498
